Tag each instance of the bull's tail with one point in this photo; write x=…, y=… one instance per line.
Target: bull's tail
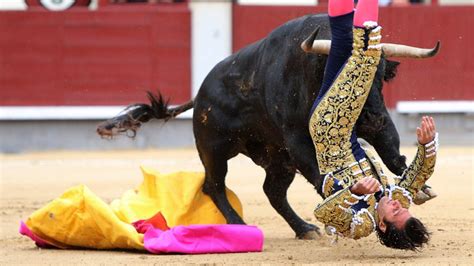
x=134, y=115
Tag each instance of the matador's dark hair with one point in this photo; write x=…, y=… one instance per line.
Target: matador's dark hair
x=412, y=236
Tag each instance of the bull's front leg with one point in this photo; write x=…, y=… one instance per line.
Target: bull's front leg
x=278, y=179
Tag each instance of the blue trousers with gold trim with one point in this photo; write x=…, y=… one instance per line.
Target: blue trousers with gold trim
x=349, y=74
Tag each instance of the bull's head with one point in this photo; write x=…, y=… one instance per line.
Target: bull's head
x=374, y=124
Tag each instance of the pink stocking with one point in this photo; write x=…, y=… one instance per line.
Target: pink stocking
x=367, y=10
x=340, y=7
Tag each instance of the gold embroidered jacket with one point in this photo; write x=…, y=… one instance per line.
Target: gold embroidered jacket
x=355, y=216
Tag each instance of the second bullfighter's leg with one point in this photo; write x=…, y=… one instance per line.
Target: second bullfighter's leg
x=213, y=156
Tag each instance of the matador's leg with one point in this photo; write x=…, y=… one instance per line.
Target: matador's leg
x=333, y=120
x=341, y=16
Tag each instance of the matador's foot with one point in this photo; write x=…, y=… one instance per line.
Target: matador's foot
x=426, y=193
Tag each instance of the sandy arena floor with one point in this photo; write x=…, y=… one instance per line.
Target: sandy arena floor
x=29, y=181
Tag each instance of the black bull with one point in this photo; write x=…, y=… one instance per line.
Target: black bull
x=257, y=102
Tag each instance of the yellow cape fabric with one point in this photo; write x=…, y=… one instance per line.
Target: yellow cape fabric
x=79, y=218
x=178, y=196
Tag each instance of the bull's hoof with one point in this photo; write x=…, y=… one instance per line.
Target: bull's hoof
x=313, y=234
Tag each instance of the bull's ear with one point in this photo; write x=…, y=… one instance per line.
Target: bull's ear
x=391, y=68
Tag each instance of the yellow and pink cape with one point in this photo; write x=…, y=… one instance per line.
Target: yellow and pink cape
x=79, y=218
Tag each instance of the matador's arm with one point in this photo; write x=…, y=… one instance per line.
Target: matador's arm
x=421, y=169
x=347, y=213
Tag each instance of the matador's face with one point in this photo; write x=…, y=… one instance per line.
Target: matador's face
x=392, y=211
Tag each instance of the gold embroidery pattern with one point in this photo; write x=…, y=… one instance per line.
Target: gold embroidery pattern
x=328, y=185
x=332, y=122
x=363, y=224
x=346, y=177
x=351, y=174
x=400, y=194
x=377, y=167
x=334, y=212
x=419, y=171
x=371, y=202
x=366, y=168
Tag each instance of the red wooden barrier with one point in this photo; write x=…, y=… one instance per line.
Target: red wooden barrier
x=105, y=57
x=110, y=56
x=448, y=76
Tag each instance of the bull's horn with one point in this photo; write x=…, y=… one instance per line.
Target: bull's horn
x=320, y=47
x=399, y=50
x=389, y=49
x=308, y=44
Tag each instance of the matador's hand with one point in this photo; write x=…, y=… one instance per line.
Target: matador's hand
x=366, y=185
x=426, y=131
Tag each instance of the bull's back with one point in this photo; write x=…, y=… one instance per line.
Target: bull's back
x=252, y=86
x=292, y=77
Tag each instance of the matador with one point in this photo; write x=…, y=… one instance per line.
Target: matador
x=358, y=199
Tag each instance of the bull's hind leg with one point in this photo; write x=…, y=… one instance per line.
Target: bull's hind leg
x=214, y=159
x=278, y=179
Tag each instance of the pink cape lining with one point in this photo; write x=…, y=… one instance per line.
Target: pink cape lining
x=191, y=239
x=24, y=230
x=199, y=239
